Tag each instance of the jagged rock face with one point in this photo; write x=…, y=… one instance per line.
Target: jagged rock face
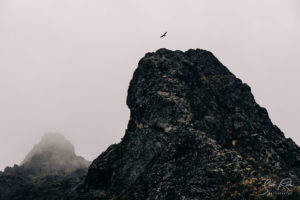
x=54, y=153
x=195, y=132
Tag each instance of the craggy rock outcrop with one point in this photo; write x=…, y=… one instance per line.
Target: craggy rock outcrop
x=195, y=132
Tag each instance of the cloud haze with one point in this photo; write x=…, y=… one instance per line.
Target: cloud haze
x=65, y=65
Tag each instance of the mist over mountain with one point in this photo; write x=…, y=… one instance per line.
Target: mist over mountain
x=195, y=132
x=54, y=153
x=49, y=168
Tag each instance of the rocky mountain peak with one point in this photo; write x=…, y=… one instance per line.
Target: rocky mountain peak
x=174, y=79
x=195, y=132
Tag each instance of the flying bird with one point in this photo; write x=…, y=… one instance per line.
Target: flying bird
x=163, y=35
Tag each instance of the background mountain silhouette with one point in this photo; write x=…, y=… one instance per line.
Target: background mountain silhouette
x=51, y=169
x=54, y=153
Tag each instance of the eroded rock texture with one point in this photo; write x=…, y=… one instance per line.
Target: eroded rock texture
x=195, y=132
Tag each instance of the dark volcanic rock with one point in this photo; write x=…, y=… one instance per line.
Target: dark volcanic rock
x=195, y=132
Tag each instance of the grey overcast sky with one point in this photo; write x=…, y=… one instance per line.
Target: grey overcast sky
x=65, y=65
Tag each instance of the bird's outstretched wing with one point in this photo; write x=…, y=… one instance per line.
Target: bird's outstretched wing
x=163, y=35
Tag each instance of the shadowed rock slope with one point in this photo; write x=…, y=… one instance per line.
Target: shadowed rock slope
x=195, y=132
